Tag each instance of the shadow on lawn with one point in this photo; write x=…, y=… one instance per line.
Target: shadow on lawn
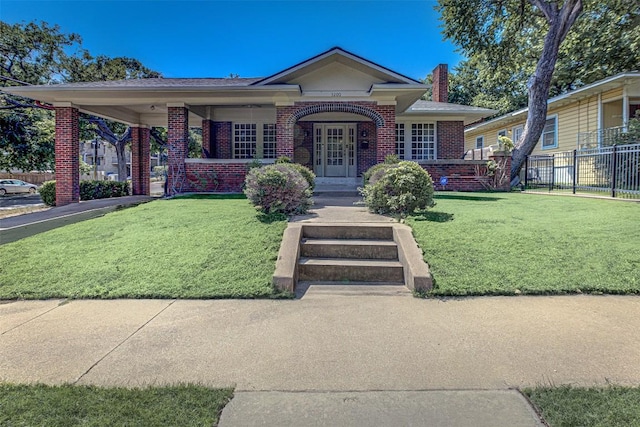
x=469, y=198
x=433, y=216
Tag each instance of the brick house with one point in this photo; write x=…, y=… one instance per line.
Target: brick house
x=336, y=113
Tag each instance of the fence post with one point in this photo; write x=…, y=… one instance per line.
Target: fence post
x=526, y=172
x=575, y=170
x=553, y=172
x=614, y=172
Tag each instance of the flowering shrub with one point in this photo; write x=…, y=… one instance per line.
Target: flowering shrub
x=277, y=189
x=400, y=190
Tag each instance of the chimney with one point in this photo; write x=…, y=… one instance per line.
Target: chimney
x=440, y=86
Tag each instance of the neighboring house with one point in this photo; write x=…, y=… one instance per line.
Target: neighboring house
x=103, y=157
x=336, y=113
x=589, y=117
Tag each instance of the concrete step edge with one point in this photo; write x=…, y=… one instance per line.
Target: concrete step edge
x=350, y=262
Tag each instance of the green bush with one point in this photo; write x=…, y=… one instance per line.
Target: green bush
x=277, y=189
x=390, y=161
x=306, y=173
x=48, y=193
x=90, y=190
x=400, y=189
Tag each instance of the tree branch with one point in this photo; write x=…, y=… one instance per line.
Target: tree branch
x=546, y=8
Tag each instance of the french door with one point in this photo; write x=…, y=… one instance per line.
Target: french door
x=335, y=150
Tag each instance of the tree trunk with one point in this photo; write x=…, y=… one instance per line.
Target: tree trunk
x=122, y=160
x=560, y=21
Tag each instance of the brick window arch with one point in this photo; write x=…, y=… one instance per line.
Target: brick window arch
x=340, y=107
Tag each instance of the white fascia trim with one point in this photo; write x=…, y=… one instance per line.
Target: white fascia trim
x=64, y=104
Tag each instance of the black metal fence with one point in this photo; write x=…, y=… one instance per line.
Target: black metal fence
x=612, y=171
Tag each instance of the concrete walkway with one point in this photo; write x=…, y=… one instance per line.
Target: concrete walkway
x=327, y=343
x=336, y=355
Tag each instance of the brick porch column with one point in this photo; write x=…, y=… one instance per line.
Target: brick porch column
x=177, y=147
x=386, y=141
x=140, y=161
x=284, y=132
x=207, y=127
x=67, y=152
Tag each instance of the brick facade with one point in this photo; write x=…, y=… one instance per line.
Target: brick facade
x=450, y=139
x=208, y=145
x=222, y=140
x=462, y=175
x=67, y=153
x=209, y=177
x=140, y=161
x=366, y=157
x=303, y=149
x=177, y=147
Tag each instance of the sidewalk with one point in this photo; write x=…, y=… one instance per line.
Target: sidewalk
x=328, y=343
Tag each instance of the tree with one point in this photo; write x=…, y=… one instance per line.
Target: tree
x=29, y=54
x=504, y=42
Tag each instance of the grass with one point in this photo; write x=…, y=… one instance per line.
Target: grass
x=511, y=243
x=588, y=407
x=198, y=247
x=41, y=405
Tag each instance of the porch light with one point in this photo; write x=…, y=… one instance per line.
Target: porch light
x=364, y=134
x=152, y=108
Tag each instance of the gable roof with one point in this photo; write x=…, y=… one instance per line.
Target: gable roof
x=340, y=55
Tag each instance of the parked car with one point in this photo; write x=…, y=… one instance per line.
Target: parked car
x=8, y=186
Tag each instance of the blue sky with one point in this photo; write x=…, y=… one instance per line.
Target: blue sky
x=250, y=38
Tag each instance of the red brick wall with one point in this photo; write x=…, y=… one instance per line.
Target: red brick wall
x=222, y=140
x=140, y=161
x=209, y=177
x=450, y=137
x=462, y=176
x=284, y=131
x=67, y=152
x=366, y=156
x=386, y=134
x=206, y=138
x=440, y=86
x=177, y=147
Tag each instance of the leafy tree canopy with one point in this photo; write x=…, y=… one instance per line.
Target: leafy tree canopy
x=503, y=40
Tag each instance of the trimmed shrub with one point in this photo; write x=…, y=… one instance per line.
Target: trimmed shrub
x=400, y=189
x=90, y=190
x=390, y=161
x=48, y=193
x=277, y=189
x=306, y=173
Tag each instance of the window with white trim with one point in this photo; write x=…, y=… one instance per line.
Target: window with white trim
x=269, y=141
x=480, y=142
x=502, y=132
x=517, y=133
x=400, y=140
x=244, y=140
x=423, y=141
x=549, y=137
x=251, y=140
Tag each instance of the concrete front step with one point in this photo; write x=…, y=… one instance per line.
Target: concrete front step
x=352, y=288
x=355, y=248
x=348, y=231
x=352, y=270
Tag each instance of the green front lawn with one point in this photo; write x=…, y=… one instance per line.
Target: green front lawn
x=41, y=405
x=485, y=244
x=587, y=407
x=201, y=247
